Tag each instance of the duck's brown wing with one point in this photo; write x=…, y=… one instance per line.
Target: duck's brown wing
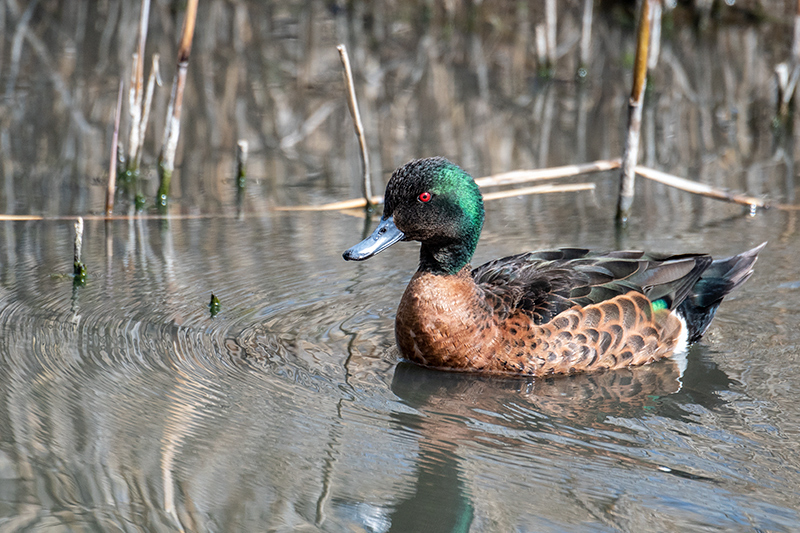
x=544, y=284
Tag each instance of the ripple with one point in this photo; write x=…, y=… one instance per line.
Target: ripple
x=293, y=393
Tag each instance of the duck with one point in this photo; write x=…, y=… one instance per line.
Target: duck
x=542, y=313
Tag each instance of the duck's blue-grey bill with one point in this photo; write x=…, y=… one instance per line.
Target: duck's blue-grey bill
x=385, y=235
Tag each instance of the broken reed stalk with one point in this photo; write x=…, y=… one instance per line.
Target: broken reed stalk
x=538, y=189
x=631, y=151
x=78, y=268
x=497, y=195
x=352, y=103
x=152, y=79
x=656, y=9
x=796, y=37
x=551, y=20
x=786, y=81
x=541, y=49
x=702, y=189
x=506, y=178
x=135, y=111
x=795, y=55
x=112, y=166
x=136, y=91
x=670, y=180
x=524, y=176
x=172, y=128
x=586, y=37
x=782, y=85
x=136, y=216
x=77, y=249
x=353, y=203
x=241, y=165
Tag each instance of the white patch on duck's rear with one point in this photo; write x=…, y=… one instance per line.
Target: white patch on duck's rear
x=681, y=347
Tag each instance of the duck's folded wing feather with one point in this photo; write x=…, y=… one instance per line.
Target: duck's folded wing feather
x=544, y=284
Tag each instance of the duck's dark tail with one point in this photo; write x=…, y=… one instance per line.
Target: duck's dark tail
x=720, y=278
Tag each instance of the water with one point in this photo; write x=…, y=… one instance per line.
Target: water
x=124, y=406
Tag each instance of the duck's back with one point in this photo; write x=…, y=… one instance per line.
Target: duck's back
x=546, y=283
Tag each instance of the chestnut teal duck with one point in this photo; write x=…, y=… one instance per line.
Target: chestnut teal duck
x=540, y=313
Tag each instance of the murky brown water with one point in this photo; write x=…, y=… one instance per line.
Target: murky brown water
x=125, y=406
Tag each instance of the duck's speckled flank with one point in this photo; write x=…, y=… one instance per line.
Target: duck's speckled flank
x=448, y=322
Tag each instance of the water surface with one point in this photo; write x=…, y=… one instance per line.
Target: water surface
x=124, y=405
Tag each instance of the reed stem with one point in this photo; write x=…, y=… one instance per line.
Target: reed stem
x=78, y=268
x=352, y=103
x=135, y=94
x=241, y=164
x=631, y=151
x=153, y=79
x=586, y=37
x=551, y=21
x=112, y=166
x=173, y=125
x=701, y=189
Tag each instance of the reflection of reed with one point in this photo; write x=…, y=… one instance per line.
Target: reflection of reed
x=103, y=410
x=440, y=86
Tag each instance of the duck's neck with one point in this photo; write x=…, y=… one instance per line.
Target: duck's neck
x=445, y=259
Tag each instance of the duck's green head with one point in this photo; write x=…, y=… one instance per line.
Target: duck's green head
x=432, y=201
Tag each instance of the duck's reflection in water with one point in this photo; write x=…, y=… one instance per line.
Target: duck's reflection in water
x=580, y=418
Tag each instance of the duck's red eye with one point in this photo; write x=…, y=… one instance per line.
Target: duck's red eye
x=425, y=197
